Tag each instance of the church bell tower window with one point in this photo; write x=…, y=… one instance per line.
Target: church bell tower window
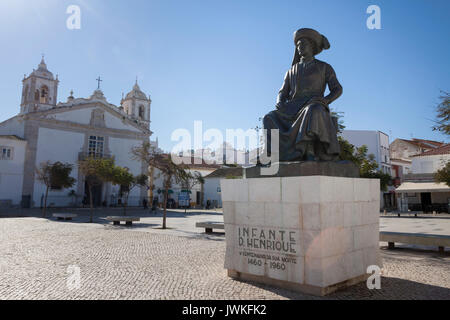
x=141, y=112
x=44, y=94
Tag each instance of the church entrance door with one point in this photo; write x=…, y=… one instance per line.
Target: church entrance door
x=96, y=195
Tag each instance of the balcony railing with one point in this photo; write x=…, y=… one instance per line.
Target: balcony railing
x=85, y=155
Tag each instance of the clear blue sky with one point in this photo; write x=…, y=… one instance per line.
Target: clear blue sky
x=223, y=62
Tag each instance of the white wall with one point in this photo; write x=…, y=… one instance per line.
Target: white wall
x=116, y=123
x=176, y=187
x=377, y=144
x=121, y=150
x=82, y=116
x=211, y=187
x=14, y=126
x=56, y=145
x=11, y=171
x=429, y=164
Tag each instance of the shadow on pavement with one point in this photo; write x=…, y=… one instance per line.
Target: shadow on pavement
x=391, y=288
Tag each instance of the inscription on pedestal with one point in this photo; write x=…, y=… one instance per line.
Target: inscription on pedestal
x=267, y=247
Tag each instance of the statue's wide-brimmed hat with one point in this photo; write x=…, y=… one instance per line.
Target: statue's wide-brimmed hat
x=320, y=41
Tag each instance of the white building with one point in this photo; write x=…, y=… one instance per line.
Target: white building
x=45, y=130
x=12, y=159
x=419, y=191
x=430, y=161
x=213, y=193
x=377, y=144
x=406, y=149
x=194, y=165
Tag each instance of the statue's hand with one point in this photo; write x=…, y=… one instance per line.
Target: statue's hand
x=320, y=100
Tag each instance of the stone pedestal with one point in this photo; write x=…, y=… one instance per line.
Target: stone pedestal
x=313, y=234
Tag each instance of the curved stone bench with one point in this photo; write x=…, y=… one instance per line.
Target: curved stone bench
x=128, y=220
x=65, y=216
x=440, y=241
x=209, y=226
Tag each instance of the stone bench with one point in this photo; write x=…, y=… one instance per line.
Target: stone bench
x=65, y=216
x=439, y=241
x=209, y=226
x=128, y=220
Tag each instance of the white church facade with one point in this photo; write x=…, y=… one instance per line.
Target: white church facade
x=45, y=130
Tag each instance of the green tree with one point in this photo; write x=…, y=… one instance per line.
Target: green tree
x=95, y=172
x=54, y=176
x=368, y=167
x=443, y=175
x=442, y=122
x=339, y=116
x=190, y=180
x=171, y=172
x=127, y=182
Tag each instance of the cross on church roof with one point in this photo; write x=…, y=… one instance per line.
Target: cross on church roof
x=99, y=80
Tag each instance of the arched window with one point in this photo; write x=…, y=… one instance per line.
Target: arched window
x=44, y=94
x=36, y=95
x=141, y=112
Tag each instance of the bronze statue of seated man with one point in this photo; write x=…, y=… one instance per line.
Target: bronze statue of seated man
x=302, y=116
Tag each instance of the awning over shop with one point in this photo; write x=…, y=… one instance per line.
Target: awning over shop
x=410, y=187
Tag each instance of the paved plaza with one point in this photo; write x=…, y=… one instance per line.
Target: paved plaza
x=146, y=262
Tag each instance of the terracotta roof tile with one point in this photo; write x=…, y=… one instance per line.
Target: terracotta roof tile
x=445, y=149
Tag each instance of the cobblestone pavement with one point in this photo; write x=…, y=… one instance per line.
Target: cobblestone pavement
x=120, y=263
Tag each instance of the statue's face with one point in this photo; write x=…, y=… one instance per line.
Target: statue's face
x=305, y=47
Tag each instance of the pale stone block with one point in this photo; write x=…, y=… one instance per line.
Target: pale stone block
x=327, y=189
x=331, y=214
x=343, y=189
x=328, y=242
x=264, y=189
x=310, y=189
x=256, y=213
x=295, y=237
x=230, y=238
x=229, y=258
x=234, y=190
x=292, y=215
x=275, y=273
x=375, y=192
x=312, y=243
x=370, y=212
x=241, y=213
x=361, y=189
x=347, y=240
x=229, y=212
x=290, y=189
x=273, y=215
x=296, y=272
x=313, y=271
x=336, y=241
x=366, y=236
x=371, y=256
x=334, y=270
x=256, y=269
x=311, y=216
x=355, y=263
x=332, y=222
x=240, y=262
x=352, y=214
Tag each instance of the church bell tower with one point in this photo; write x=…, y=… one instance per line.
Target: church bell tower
x=137, y=106
x=40, y=90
